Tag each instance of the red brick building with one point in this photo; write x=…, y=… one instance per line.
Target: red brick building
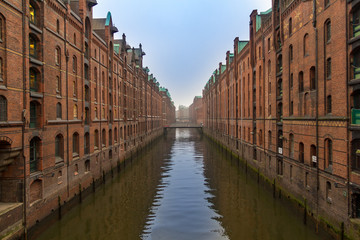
x=287, y=101
x=196, y=111
x=168, y=107
x=74, y=103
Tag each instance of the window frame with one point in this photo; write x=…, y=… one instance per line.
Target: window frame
x=3, y=109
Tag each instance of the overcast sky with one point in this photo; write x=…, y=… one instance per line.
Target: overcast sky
x=184, y=40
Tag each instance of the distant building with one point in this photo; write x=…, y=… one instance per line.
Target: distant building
x=182, y=114
x=196, y=111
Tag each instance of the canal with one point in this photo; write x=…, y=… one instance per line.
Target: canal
x=182, y=187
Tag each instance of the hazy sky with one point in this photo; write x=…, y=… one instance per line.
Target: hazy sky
x=184, y=40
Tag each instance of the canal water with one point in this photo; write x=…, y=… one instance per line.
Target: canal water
x=183, y=187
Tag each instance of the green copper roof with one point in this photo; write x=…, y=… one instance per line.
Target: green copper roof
x=258, y=22
x=198, y=96
x=117, y=48
x=223, y=68
x=108, y=17
x=266, y=12
x=241, y=45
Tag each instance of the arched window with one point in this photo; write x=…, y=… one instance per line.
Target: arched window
x=280, y=88
x=32, y=14
x=115, y=135
x=306, y=44
x=35, y=114
x=269, y=44
x=34, y=80
x=301, y=152
x=280, y=140
x=291, y=145
x=312, y=79
x=327, y=31
x=301, y=81
x=103, y=138
x=291, y=80
x=96, y=137
x=74, y=88
x=313, y=156
x=291, y=53
x=280, y=112
x=87, y=143
x=95, y=75
x=33, y=48
x=279, y=64
x=75, y=112
x=86, y=71
x=35, y=154
x=58, y=26
x=87, y=94
x=269, y=140
x=58, y=111
x=57, y=56
x=328, y=154
x=110, y=137
x=328, y=68
x=328, y=190
x=291, y=110
x=74, y=64
x=87, y=116
x=3, y=109
x=96, y=112
x=290, y=26
x=58, y=84
x=87, y=28
x=59, y=148
x=328, y=104
x=75, y=144
x=76, y=169
x=75, y=39
x=103, y=113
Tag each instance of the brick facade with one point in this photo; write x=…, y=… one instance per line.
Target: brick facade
x=196, y=112
x=74, y=102
x=286, y=101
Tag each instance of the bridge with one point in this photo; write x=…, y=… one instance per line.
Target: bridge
x=184, y=125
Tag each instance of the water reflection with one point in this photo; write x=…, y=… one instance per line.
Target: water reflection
x=182, y=210
x=187, y=188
